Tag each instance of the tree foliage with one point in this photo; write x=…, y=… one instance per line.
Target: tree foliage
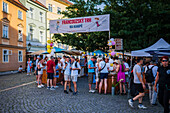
x=139, y=22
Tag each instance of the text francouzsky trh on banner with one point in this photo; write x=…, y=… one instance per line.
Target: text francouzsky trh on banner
x=81, y=24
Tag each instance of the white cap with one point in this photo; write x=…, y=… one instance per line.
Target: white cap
x=38, y=56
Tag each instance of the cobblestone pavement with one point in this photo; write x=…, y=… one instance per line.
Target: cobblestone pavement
x=29, y=98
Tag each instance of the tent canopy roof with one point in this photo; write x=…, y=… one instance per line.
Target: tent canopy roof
x=161, y=43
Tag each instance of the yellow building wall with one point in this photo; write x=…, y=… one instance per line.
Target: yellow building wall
x=13, y=43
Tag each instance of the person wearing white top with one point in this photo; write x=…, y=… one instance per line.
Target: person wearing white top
x=152, y=93
x=126, y=72
x=103, y=68
x=40, y=72
x=67, y=75
x=97, y=72
x=75, y=66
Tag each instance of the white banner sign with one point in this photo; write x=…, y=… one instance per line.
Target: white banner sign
x=81, y=24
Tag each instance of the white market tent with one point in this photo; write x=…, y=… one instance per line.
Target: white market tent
x=161, y=43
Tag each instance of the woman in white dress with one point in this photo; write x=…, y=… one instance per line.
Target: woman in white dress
x=40, y=72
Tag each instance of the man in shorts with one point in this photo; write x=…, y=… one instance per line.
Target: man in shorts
x=50, y=73
x=75, y=66
x=139, y=85
x=91, y=72
x=67, y=75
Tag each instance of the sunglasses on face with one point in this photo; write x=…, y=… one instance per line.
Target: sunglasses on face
x=164, y=60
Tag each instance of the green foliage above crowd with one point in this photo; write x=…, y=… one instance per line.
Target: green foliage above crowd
x=139, y=22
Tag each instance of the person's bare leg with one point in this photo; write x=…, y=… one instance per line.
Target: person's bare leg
x=120, y=86
x=140, y=99
x=89, y=86
x=39, y=80
x=48, y=81
x=65, y=85
x=124, y=88
x=105, y=83
x=51, y=82
x=54, y=81
x=138, y=96
x=69, y=84
x=75, y=86
x=100, y=85
x=96, y=84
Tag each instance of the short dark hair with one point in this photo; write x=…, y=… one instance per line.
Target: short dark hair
x=139, y=59
x=51, y=57
x=20, y=66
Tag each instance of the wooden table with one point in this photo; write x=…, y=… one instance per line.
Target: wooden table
x=44, y=77
x=109, y=83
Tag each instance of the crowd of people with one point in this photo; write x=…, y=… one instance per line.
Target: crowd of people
x=141, y=74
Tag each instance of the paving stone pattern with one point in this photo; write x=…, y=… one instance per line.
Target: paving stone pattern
x=30, y=99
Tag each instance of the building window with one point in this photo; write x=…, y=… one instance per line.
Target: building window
x=41, y=17
x=20, y=56
x=41, y=36
x=20, y=36
x=58, y=10
x=31, y=12
x=5, y=7
x=5, y=31
x=5, y=55
x=20, y=14
x=31, y=33
x=50, y=8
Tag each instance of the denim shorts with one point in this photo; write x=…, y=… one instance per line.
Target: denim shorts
x=103, y=75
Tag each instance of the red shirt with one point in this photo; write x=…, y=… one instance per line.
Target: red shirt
x=50, y=65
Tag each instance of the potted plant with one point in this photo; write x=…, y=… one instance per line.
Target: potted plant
x=113, y=86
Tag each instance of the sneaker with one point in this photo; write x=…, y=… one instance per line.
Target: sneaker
x=42, y=85
x=75, y=93
x=48, y=87
x=70, y=90
x=65, y=91
x=39, y=86
x=93, y=91
x=130, y=103
x=90, y=91
x=52, y=88
x=55, y=87
x=141, y=106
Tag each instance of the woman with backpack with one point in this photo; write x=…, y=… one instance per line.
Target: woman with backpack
x=121, y=75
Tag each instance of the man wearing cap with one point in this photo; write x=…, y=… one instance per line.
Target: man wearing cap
x=91, y=71
x=75, y=66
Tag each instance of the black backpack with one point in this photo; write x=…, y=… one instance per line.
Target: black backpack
x=149, y=75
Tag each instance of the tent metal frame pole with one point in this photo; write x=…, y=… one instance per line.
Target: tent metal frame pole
x=109, y=35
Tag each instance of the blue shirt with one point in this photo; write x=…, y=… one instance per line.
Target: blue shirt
x=90, y=62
